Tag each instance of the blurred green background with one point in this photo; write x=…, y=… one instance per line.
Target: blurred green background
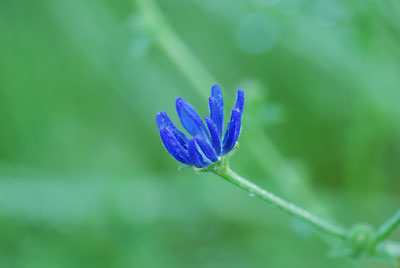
x=85, y=181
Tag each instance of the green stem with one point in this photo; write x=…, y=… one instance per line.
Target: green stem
x=291, y=209
x=387, y=228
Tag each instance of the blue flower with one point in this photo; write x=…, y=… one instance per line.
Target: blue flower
x=205, y=147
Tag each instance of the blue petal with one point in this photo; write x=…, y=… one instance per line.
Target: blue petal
x=217, y=115
x=197, y=159
x=228, y=127
x=232, y=131
x=190, y=119
x=206, y=148
x=173, y=146
x=215, y=139
x=240, y=100
x=164, y=121
x=216, y=93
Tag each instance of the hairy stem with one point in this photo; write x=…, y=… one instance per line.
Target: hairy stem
x=291, y=209
x=387, y=228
